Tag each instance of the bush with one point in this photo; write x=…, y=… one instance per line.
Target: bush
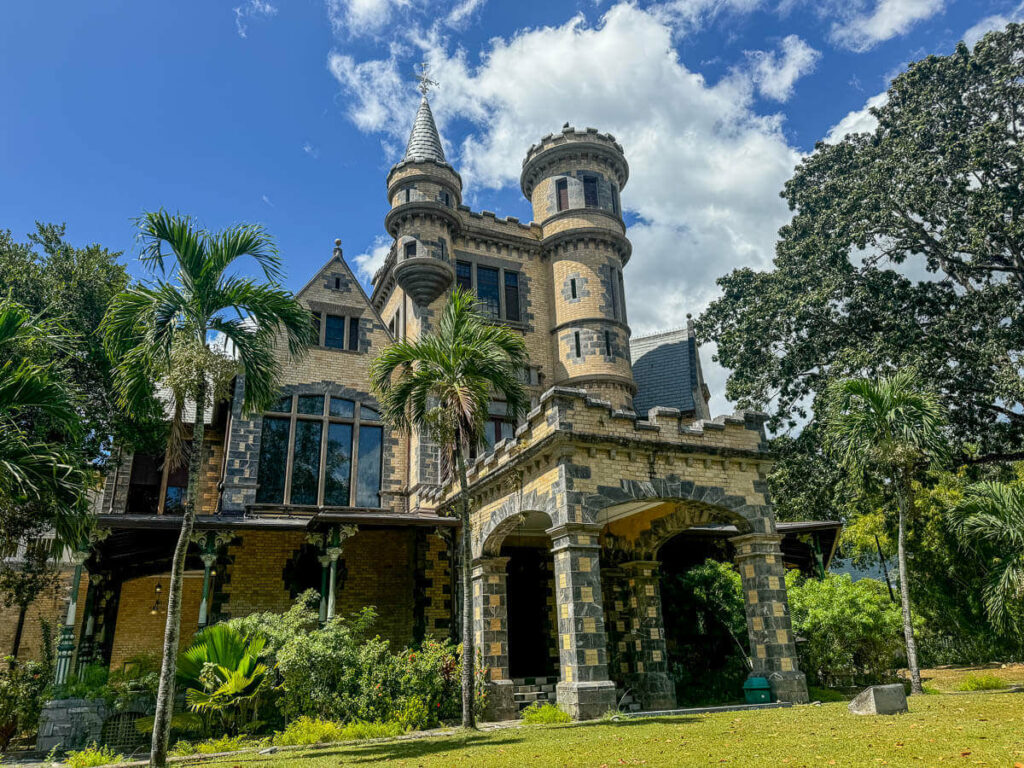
x=361, y=729
x=546, y=713
x=850, y=632
x=982, y=682
x=215, y=746
x=309, y=730
x=89, y=682
x=92, y=756
x=22, y=689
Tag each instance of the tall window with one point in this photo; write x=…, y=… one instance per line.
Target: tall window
x=464, y=275
x=410, y=249
x=512, y=296
x=576, y=338
x=613, y=291
x=562, y=194
x=334, y=332
x=353, y=334
x=487, y=290
x=320, y=451
x=590, y=191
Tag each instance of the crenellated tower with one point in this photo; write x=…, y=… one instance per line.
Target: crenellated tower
x=424, y=192
x=573, y=180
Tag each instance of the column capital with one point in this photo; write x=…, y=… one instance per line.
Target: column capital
x=756, y=544
x=487, y=565
x=575, y=535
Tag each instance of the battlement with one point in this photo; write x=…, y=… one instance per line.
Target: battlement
x=568, y=135
x=570, y=143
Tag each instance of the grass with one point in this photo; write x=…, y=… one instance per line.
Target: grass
x=982, y=682
x=966, y=730
x=92, y=756
x=947, y=679
x=547, y=714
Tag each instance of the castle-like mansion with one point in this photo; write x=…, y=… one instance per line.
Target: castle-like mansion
x=617, y=474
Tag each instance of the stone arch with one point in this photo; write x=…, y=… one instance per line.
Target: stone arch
x=512, y=513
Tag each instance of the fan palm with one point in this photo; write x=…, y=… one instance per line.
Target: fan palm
x=163, y=332
x=37, y=468
x=442, y=385
x=887, y=430
x=990, y=519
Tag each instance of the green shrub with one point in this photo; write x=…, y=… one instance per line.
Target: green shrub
x=413, y=714
x=214, y=746
x=982, y=682
x=544, y=713
x=92, y=756
x=22, y=689
x=309, y=730
x=89, y=682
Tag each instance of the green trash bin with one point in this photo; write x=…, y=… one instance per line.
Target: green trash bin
x=757, y=690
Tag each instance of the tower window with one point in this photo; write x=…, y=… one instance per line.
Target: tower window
x=562, y=194
x=334, y=332
x=572, y=288
x=410, y=249
x=353, y=334
x=613, y=291
x=590, y=191
x=337, y=283
x=622, y=295
x=511, y=296
x=408, y=194
x=607, y=343
x=487, y=291
x=576, y=336
x=446, y=199
x=615, y=200
x=464, y=275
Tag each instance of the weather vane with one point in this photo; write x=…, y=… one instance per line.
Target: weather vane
x=423, y=76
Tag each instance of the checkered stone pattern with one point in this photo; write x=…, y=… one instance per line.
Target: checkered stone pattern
x=490, y=629
x=772, y=648
x=585, y=691
x=646, y=636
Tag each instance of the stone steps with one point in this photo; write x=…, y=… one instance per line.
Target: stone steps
x=527, y=690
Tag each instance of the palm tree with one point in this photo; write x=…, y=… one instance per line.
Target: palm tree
x=887, y=430
x=442, y=385
x=990, y=519
x=163, y=333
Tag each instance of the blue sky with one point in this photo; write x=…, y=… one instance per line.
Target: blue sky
x=290, y=112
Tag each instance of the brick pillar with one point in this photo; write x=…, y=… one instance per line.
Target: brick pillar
x=772, y=650
x=647, y=635
x=490, y=630
x=585, y=691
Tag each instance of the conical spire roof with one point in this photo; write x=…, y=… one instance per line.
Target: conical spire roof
x=424, y=141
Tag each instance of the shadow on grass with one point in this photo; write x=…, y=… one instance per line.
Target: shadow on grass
x=402, y=750
x=668, y=720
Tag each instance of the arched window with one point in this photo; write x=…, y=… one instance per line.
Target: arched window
x=320, y=450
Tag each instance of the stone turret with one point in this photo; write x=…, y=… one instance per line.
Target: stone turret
x=424, y=192
x=573, y=180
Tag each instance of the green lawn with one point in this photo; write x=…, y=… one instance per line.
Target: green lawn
x=976, y=729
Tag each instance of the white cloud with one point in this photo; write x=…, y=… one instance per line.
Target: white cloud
x=775, y=74
x=860, y=28
x=706, y=170
x=266, y=200
x=360, y=17
x=689, y=16
x=462, y=12
x=859, y=121
x=310, y=150
x=989, y=23
x=368, y=262
x=249, y=10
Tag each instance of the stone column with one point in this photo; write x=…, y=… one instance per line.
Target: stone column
x=772, y=650
x=647, y=635
x=209, y=543
x=330, y=544
x=490, y=630
x=585, y=691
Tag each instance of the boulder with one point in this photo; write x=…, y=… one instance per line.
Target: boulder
x=880, y=700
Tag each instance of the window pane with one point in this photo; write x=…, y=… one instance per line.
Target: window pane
x=334, y=332
x=311, y=404
x=512, y=296
x=590, y=192
x=342, y=407
x=284, y=405
x=368, y=486
x=487, y=290
x=353, y=334
x=508, y=430
x=562, y=191
x=306, y=462
x=339, y=465
x=490, y=428
x=273, y=460
x=464, y=275
x=366, y=413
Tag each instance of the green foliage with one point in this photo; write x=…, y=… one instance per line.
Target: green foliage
x=92, y=756
x=817, y=693
x=546, y=713
x=851, y=632
x=223, y=677
x=23, y=686
x=309, y=730
x=217, y=745
x=707, y=633
x=982, y=682
x=89, y=682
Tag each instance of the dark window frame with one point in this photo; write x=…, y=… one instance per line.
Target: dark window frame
x=591, y=196
x=504, y=289
x=561, y=194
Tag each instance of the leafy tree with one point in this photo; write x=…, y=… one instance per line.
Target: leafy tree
x=442, y=385
x=885, y=431
x=162, y=332
x=990, y=521
x=933, y=191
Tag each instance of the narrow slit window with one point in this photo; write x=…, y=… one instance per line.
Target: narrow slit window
x=408, y=194
x=512, y=296
x=576, y=336
x=353, y=334
x=562, y=194
x=572, y=288
x=613, y=292
x=337, y=283
x=622, y=295
x=607, y=343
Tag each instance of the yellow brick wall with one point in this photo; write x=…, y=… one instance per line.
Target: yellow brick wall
x=255, y=579
x=50, y=606
x=140, y=632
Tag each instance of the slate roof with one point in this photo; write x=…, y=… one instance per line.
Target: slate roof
x=665, y=371
x=424, y=141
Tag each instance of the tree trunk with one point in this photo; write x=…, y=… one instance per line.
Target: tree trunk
x=468, y=720
x=172, y=630
x=908, y=623
x=18, y=631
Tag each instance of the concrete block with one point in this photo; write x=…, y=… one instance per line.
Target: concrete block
x=880, y=700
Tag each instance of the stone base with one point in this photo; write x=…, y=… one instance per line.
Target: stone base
x=789, y=686
x=586, y=701
x=658, y=692
x=501, y=704
x=70, y=724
